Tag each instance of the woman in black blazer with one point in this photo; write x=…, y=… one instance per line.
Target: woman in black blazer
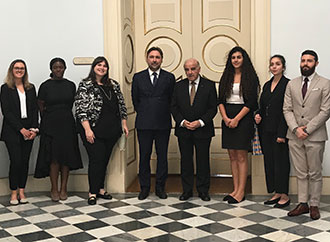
x=20, y=125
x=238, y=99
x=272, y=130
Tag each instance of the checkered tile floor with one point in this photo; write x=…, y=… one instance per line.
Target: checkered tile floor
x=125, y=218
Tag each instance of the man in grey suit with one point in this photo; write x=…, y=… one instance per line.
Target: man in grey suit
x=306, y=108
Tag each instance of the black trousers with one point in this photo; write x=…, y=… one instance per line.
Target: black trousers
x=202, y=149
x=146, y=139
x=19, y=156
x=98, y=154
x=277, y=163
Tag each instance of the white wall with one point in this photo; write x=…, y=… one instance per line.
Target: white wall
x=39, y=30
x=297, y=25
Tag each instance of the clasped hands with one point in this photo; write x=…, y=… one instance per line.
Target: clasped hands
x=231, y=123
x=191, y=125
x=28, y=134
x=300, y=132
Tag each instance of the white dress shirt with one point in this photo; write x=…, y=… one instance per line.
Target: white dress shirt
x=152, y=76
x=22, y=101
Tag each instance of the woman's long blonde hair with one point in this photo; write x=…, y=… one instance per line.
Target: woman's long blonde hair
x=9, y=80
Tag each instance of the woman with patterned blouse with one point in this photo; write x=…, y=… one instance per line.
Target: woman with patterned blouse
x=101, y=116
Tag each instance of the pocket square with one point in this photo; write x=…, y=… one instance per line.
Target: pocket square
x=315, y=89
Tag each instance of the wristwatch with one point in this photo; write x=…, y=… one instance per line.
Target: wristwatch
x=294, y=130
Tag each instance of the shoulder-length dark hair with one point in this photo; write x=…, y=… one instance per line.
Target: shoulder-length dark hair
x=92, y=76
x=248, y=76
x=9, y=80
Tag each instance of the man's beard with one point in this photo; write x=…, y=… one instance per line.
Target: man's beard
x=307, y=72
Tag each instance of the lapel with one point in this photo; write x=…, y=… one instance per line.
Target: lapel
x=297, y=89
x=199, y=89
x=14, y=93
x=147, y=80
x=312, y=84
x=185, y=92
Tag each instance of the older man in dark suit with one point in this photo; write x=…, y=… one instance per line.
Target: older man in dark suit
x=152, y=91
x=194, y=106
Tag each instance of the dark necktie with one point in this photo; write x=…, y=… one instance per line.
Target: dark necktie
x=192, y=92
x=154, y=81
x=304, y=88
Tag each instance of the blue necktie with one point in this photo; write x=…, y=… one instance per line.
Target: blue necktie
x=154, y=82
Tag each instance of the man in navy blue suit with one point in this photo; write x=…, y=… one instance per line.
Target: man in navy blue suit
x=152, y=91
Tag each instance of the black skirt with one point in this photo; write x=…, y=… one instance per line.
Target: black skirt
x=238, y=138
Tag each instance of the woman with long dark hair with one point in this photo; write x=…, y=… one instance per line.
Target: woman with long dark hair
x=20, y=126
x=238, y=99
x=272, y=129
x=58, y=150
x=102, y=115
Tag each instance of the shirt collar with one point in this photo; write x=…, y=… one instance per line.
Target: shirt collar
x=309, y=77
x=197, y=80
x=151, y=72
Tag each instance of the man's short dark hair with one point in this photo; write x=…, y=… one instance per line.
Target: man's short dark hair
x=311, y=52
x=157, y=49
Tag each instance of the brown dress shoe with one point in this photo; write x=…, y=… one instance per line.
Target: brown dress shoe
x=314, y=212
x=300, y=209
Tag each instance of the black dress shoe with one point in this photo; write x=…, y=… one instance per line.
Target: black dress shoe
x=204, y=196
x=185, y=196
x=104, y=196
x=143, y=194
x=271, y=202
x=161, y=194
x=91, y=200
x=226, y=198
x=234, y=201
x=278, y=205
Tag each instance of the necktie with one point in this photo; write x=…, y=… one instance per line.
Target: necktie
x=192, y=92
x=154, y=81
x=304, y=88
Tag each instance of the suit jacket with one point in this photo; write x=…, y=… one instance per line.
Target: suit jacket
x=11, y=110
x=271, y=108
x=204, y=107
x=152, y=103
x=312, y=111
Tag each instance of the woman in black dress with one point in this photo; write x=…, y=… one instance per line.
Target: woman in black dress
x=102, y=115
x=19, y=127
x=272, y=129
x=58, y=151
x=238, y=99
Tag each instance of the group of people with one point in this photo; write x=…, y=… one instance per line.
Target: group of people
x=290, y=117
x=101, y=119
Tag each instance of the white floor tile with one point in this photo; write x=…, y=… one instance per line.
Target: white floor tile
x=105, y=232
x=191, y=234
x=56, y=208
x=91, y=209
x=236, y=222
x=63, y=231
x=118, y=219
x=78, y=219
x=195, y=221
x=238, y=212
x=41, y=218
x=235, y=235
x=127, y=209
x=147, y=233
x=199, y=211
x=156, y=220
x=24, y=229
x=278, y=223
x=163, y=210
x=281, y=236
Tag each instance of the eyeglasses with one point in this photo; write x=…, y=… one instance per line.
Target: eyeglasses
x=19, y=68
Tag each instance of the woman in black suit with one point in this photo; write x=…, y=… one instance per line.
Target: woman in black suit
x=272, y=130
x=238, y=98
x=20, y=125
